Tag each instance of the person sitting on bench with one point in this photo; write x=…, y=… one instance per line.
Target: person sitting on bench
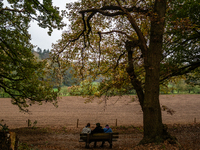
x=107, y=129
x=87, y=129
x=98, y=129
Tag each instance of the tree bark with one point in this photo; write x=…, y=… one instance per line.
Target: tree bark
x=8, y=140
x=154, y=130
x=130, y=70
x=152, y=118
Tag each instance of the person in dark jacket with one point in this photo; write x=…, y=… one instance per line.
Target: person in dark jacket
x=98, y=129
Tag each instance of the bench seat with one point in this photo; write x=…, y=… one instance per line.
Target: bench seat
x=88, y=138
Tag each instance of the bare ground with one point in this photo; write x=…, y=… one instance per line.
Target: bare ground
x=57, y=127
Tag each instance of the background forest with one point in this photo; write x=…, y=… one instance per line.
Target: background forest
x=72, y=86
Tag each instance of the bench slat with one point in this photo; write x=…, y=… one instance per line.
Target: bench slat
x=97, y=137
x=99, y=134
x=81, y=141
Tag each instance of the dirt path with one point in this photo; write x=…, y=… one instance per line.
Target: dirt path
x=60, y=138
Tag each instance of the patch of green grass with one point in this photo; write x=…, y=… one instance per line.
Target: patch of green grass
x=25, y=146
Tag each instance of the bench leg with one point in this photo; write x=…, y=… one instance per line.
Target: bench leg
x=102, y=143
x=110, y=145
x=87, y=145
x=95, y=143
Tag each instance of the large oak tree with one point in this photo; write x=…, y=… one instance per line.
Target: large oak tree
x=132, y=45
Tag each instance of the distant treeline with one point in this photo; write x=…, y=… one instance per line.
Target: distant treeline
x=41, y=54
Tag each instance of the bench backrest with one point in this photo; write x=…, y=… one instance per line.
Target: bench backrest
x=99, y=136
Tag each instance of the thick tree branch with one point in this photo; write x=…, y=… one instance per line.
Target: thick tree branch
x=180, y=71
x=130, y=70
x=11, y=79
x=143, y=45
x=88, y=22
x=13, y=10
x=119, y=60
x=105, y=10
x=75, y=39
x=39, y=4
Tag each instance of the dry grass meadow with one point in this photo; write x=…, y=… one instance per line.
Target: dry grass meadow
x=56, y=128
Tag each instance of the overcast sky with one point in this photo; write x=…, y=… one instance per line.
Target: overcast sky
x=40, y=37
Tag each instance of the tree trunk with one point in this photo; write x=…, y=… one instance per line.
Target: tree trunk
x=154, y=130
x=152, y=118
x=8, y=140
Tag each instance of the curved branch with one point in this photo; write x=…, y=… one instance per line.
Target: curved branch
x=143, y=45
x=131, y=72
x=13, y=10
x=181, y=71
x=105, y=11
x=88, y=22
x=11, y=79
x=115, y=8
x=119, y=59
x=73, y=40
x=38, y=3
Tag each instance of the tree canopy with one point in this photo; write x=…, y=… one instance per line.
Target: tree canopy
x=133, y=45
x=22, y=76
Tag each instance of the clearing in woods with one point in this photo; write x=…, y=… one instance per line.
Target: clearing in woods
x=57, y=127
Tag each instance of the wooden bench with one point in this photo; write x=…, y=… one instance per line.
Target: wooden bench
x=88, y=138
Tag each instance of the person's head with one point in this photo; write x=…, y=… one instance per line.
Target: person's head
x=107, y=126
x=98, y=124
x=88, y=125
